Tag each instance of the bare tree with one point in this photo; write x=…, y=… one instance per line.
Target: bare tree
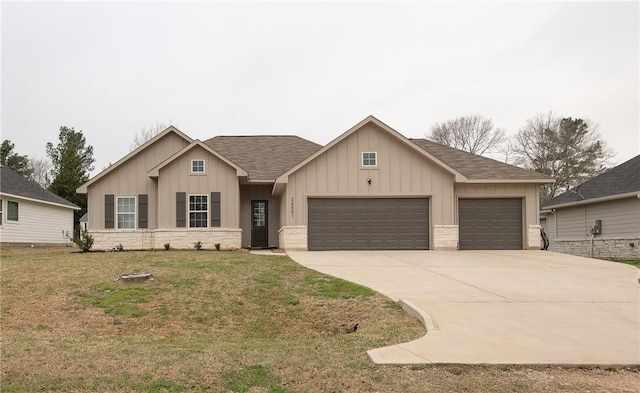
x=570, y=150
x=474, y=134
x=40, y=168
x=505, y=150
x=145, y=134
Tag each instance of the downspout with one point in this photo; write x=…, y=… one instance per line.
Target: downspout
x=591, y=251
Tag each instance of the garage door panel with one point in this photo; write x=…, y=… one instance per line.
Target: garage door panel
x=490, y=224
x=368, y=224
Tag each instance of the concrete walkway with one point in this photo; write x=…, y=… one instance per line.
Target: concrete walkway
x=501, y=307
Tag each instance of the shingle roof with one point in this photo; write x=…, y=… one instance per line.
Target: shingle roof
x=15, y=184
x=264, y=157
x=623, y=179
x=474, y=166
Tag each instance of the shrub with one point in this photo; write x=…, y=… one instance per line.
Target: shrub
x=217, y=245
x=84, y=241
x=197, y=246
x=167, y=246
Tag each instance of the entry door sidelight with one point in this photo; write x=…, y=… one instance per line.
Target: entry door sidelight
x=259, y=224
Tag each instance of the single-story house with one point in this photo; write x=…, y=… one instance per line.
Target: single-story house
x=599, y=218
x=369, y=188
x=29, y=214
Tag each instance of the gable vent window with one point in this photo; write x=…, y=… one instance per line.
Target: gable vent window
x=198, y=211
x=126, y=213
x=197, y=166
x=369, y=158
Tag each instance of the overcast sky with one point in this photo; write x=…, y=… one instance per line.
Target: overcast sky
x=312, y=69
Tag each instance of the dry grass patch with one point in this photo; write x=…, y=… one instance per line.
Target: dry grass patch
x=220, y=321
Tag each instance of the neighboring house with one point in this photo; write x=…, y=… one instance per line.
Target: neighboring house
x=30, y=214
x=600, y=218
x=370, y=188
x=84, y=222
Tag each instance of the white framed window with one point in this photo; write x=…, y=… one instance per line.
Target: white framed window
x=197, y=166
x=12, y=211
x=198, y=211
x=369, y=158
x=126, y=212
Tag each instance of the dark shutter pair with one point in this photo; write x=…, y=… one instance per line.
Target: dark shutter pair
x=181, y=209
x=109, y=211
x=143, y=210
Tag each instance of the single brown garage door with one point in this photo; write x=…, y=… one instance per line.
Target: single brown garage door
x=490, y=224
x=368, y=224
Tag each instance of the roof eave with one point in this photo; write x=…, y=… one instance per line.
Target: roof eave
x=533, y=181
x=594, y=200
x=74, y=207
x=261, y=181
x=278, y=188
x=83, y=189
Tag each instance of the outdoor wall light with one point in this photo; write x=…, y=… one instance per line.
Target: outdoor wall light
x=369, y=181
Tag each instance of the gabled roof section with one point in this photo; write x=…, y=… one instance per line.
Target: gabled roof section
x=14, y=184
x=171, y=129
x=155, y=171
x=391, y=131
x=478, y=168
x=264, y=157
x=621, y=180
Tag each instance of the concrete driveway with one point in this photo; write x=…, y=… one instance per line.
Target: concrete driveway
x=500, y=307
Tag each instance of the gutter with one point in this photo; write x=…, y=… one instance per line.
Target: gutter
x=592, y=200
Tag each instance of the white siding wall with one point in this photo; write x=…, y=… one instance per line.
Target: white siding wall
x=620, y=219
x=38, y=223
x=620, y=238
x=550, y=226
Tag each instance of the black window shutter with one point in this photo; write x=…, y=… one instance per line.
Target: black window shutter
x=108, y=211
x=181, y=209
x=143, y=211
x=215, y=209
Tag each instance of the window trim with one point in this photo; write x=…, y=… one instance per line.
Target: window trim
x=1, y=211
x=375, y=153
x=189, y=211
x=17, y=212
x=135, y=213
x=204, y=167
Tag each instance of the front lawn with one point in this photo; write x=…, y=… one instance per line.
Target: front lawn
x=221, y=322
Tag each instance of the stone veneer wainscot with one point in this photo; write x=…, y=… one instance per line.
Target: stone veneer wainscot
x=229, y=238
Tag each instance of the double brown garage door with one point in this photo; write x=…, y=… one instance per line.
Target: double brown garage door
x=490, y=224
x=368, y=224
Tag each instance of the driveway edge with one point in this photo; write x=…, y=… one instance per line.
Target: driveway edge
x=418, y=314
x=400, y=353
